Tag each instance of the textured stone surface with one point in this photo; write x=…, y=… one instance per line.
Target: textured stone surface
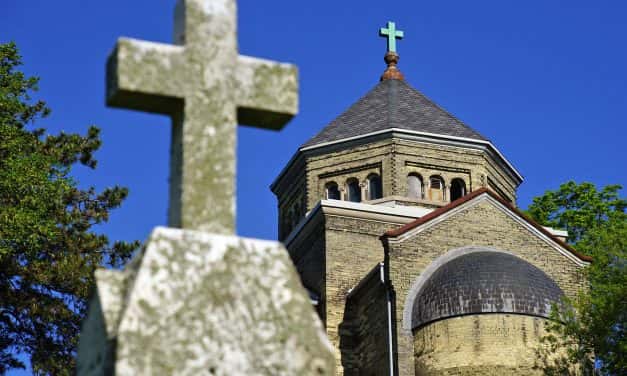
x=484, y=282
x=352, y=249
x=335, y=253
x=364, y=334
x=481, y=223
x=489, y=344
x=99, y=330
x=303, y=183
x=196, y=304
x=207, y=89
x=333, y=256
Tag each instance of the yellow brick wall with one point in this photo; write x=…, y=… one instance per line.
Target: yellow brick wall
x=308, y=255
x=480, y=225
x=477, y=162
x=341, y=165
x=487, y=344
x=364, y=331
x=394, y=159
x=352, y=250
x=335, y=257
x=338, y=253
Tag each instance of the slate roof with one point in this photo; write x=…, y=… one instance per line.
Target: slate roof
x=393, y=104
x=485, y=282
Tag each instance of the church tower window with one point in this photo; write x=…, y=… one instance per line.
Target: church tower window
x=414, y=186
x=333, y=192
x=458, y=189
x=436, y=188
x=354, y=190
x=375, y=190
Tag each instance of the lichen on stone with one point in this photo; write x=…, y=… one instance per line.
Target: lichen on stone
x=201, y=302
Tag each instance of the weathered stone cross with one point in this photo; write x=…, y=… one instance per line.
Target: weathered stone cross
x=207, y=88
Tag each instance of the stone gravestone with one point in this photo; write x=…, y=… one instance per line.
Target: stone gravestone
x=198, y=300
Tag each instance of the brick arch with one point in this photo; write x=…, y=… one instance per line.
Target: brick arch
x=418, y=283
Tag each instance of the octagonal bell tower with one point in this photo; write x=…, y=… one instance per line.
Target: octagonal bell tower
x=395, y=159
x=393, y=147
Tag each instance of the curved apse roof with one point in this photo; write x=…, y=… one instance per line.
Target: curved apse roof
x=393, y=104
x=484, y=282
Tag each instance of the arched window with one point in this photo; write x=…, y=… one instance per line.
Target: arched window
x=375, y=190
x=414, y=186
x=436, y=188
x=458, y=189
x=354, y=190
x=333, y=192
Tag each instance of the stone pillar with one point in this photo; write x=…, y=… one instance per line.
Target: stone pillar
x=364, y=190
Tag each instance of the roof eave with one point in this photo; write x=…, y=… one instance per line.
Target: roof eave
x=511, y=168
x=391, y=234
x=285, y=169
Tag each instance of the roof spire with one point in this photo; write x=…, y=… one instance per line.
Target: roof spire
x=391, y=57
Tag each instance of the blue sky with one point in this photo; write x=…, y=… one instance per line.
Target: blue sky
x=544, y=80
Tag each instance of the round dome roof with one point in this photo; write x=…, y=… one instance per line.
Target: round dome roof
x=484, y=282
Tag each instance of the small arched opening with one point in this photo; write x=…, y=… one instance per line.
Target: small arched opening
x=332, y=191
x=354, y=190
x=458, y=189
x=375, y=190
x=414, y=186
x=436, y=188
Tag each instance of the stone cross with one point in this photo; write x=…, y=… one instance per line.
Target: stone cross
x=207, y=88
x=392, y=35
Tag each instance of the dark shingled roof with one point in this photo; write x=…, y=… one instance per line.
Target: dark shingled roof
x=485, y=282
x=393, y=104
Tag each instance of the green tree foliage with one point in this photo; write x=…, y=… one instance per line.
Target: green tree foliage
x=48, y=248
x=593, y=324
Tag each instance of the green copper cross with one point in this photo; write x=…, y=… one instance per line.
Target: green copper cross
x=392, y=34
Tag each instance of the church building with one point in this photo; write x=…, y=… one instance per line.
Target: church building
x=402, y=223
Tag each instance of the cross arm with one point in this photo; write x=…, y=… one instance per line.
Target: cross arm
x=267, y=94
x=143, y=76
